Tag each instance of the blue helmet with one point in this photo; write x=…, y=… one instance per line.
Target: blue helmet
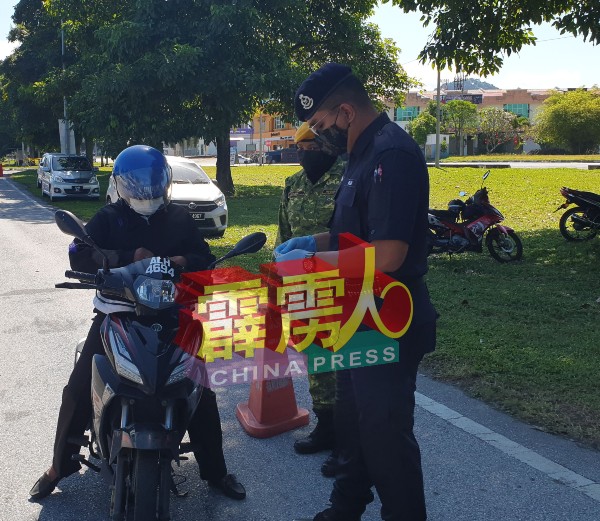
x=142, y=178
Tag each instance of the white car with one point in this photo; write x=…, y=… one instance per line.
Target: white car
x=243, y=160
x=62, y=175
x=192, y=189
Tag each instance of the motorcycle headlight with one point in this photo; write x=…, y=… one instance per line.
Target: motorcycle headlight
x=155, y=293
x=123, y=363
x=220, y=201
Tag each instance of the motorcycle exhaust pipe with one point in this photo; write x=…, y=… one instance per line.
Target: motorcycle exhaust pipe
x=582, y=222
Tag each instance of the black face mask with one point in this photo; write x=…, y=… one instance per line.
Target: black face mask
x=333, y=139
x=315, y=163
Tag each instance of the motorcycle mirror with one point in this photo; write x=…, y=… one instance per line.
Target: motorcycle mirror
x=462, y=193
x=249, y=244
x=486, y=175
x=69, y=224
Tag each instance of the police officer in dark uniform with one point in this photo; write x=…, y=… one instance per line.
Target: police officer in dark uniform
x=382, y=199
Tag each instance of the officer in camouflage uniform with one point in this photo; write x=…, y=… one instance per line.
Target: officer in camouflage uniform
x=305, y=209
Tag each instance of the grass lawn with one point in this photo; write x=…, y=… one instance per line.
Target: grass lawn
x=589, y=158
x=522, y=336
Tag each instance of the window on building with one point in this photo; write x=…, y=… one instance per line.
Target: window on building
x=279, y=123
x=518, y=109
x=406, y=113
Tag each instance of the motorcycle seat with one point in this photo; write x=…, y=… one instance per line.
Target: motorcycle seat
x=445, y=215
x=590, y=196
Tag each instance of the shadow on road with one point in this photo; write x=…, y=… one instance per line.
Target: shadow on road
x=16, y=206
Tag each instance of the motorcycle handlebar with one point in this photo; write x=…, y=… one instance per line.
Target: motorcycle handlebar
x=88, y=277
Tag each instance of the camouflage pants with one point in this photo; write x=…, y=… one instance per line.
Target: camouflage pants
x=322, y=390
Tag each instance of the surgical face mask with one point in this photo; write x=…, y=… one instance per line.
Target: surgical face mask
x=333, y=138
x=315, y=163
x=146, y=207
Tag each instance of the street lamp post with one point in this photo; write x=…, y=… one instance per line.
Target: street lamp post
x=65, y=114
x=437, y=122
x=260, y=138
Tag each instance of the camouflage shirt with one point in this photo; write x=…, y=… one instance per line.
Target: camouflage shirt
x=305, y=209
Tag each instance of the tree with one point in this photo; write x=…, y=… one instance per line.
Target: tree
x=496, y=126
x=8, y=129
x=571, y=120
x=423, y=125
x=473, y=37
x=38, y=53
x=163, y=71
x=461, y=117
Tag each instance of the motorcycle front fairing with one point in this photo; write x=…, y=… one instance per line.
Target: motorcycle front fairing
x=144, y=390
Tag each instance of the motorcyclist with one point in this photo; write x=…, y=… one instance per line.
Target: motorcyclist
x=140, y=224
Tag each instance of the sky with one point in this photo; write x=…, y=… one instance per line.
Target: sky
x=556, y=61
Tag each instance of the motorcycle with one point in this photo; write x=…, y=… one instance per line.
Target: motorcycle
x=581, y=222
x=145, y=388
x=463, y=226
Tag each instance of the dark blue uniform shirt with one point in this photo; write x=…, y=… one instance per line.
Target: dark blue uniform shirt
x=384, y=195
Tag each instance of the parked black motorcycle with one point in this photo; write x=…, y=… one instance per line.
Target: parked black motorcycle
x=145, y=388
x=465, y=224
x=581, y=222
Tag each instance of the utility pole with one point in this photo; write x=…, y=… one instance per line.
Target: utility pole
x=65, y=114
x=260, y=138
x=437, y=121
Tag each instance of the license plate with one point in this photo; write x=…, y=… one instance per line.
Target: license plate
x=198, y=216
x=78, y=188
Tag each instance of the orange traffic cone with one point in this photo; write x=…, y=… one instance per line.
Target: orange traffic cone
x=271, y=408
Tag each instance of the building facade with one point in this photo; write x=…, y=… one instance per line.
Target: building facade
x=270, y=132
x=265, y=132
x=521, y=102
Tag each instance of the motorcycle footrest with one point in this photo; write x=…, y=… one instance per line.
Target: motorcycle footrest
x=87, y=463
x=187, y=447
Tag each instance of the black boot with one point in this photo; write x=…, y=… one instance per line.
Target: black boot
x=321, y=438
x=330, y=465
x=331, y=514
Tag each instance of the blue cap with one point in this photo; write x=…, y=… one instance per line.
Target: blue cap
x=318, y=87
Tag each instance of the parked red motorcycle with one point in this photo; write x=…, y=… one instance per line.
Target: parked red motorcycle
x=582, y=222
x=463, y=226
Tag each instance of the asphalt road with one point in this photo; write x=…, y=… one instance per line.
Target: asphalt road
x=479, y=464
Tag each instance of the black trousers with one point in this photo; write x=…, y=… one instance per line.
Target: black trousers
x=374, y=433
x=76, y=410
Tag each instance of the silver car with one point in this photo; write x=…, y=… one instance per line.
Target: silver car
x=61, y=175
x=192, y=189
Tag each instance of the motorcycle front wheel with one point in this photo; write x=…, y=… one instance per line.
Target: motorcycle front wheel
x=119, y=490
x=146, y=477
x=572, y=225
x=504, y=247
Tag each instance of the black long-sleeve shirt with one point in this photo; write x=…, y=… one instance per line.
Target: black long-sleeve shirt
x=118, y=230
